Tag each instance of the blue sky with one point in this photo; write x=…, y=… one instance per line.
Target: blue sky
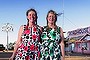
x=76, y=14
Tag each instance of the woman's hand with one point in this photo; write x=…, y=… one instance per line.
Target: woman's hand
x=62, y=58
x=11, y=58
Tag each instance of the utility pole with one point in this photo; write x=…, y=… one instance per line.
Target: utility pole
x=63, y=14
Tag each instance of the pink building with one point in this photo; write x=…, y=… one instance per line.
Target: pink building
x=81, y=40
x=83, y=45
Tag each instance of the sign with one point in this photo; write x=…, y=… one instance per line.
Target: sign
x=79, y=32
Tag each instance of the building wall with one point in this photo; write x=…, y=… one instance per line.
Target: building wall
x=78, y=48
x=88, y=48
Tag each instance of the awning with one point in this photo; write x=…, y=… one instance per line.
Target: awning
x=72, y=40
x=82, y=41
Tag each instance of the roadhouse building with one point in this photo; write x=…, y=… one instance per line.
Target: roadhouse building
x=79, y=40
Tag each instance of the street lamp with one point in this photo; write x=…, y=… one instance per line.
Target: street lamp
x=59, y=14
x=7, y=28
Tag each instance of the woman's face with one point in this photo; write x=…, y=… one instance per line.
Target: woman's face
x=31, y=16
x=51, y=18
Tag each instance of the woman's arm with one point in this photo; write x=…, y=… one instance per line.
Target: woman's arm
x=17, y=42
x=62, y=44
x=41, y=30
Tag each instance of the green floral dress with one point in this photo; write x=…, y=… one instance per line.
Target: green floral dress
x=50, y=48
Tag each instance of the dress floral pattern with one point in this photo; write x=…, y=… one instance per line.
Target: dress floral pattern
x=29, y=48
x=50, y=48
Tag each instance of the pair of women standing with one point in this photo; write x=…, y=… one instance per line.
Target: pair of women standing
x=36, y=43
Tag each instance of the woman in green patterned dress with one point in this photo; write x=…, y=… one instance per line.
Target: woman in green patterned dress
x=52, y=47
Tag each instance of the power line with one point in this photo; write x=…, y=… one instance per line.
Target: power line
x=70, y=21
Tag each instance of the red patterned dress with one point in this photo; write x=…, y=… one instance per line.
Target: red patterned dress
x=29, y=48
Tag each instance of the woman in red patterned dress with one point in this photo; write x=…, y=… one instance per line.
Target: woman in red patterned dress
x=28, y=43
